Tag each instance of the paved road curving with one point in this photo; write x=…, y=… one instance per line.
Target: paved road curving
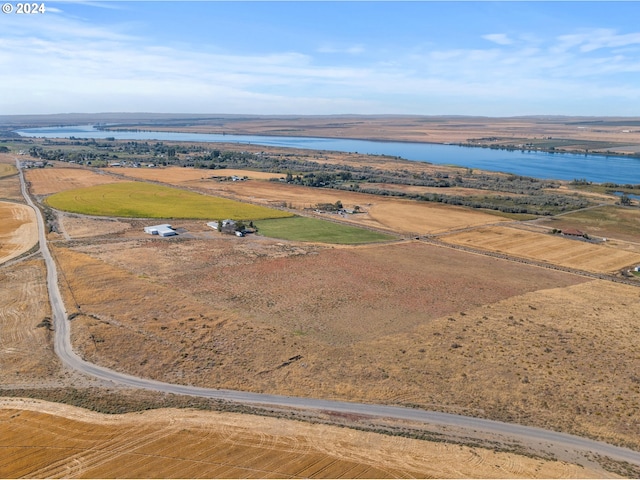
x=476, y=427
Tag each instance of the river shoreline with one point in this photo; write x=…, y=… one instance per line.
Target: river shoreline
x=529, y=163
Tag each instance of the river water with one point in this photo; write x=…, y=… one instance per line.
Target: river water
x=560, y=166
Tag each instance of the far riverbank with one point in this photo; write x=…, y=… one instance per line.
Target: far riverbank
x=537, y=164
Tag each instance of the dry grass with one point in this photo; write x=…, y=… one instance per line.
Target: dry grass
x=545, y=247
x=189, y=444
x=408, y=324
x=9, y=185
x=18, y=230
x=179, y=175
x=7, y=170
x=26, y=351
x=45, y=181
x=85, y=227
x=403, y=216
x=611, y=221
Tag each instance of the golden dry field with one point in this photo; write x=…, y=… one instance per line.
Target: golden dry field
x=408, y=324
x=26, y=349
x=46, y=440
x=609, y=221
x=402, y=216
x=179, y=175
x=18, y=230
x=545, y=247
x=45, y=181
x=9, y=184
x=405, y=323
x=7, y=170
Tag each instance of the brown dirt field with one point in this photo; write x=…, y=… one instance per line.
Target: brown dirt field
x=545, y=247
x=85, y=227
x=26, y=351
x=18, y=230
x=404, y=324
x=45, y=181
x=46, y=440
x=178, y=175
x=402, y=216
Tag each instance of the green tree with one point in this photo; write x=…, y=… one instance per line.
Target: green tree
x=625, y=200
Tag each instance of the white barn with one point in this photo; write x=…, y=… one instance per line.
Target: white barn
x=163, y=230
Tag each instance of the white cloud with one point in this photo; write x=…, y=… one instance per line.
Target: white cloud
x=350, y=50
x=64, y=65
x=499, y=38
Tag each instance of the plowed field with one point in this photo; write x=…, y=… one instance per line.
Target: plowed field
x=44, y=440
x=26, y=351
x=18, y=230
x=554, y=249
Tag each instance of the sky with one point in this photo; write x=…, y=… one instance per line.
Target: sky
x=505, y=58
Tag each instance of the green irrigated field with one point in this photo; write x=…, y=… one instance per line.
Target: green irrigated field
x=146, y=200
x=306, y=229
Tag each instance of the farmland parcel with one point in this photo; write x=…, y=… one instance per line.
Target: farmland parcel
x=145, y=200
x=405, y=323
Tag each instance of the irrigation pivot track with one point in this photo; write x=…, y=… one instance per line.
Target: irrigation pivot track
x=474, y=427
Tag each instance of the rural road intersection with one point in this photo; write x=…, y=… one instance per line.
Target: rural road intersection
x=563, y=446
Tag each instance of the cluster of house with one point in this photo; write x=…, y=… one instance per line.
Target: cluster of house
x=32, y=164
x=131, y=164
x=226, y=226
x=232, y=178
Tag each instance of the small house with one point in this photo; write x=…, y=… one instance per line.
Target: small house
x=572, y=232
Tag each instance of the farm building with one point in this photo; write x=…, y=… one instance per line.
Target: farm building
x=573, y=232
x=226, y=226
x=163, y=230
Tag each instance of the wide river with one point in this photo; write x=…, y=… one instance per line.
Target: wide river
x=560, y=166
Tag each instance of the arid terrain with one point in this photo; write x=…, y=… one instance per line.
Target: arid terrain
x=412, y=322
x=191, y=444
x=620, y=135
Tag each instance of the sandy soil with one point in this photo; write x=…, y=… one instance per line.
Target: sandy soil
x=18, y=230
x=191, y=444
x=555, y=249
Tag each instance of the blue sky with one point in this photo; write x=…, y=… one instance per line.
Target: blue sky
x=501, y=58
